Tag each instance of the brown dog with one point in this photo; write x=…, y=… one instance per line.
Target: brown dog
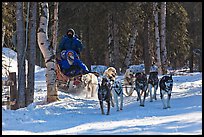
x=129, y=79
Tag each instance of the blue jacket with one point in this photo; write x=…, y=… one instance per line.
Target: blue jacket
x=70, y=44
x=64, y=65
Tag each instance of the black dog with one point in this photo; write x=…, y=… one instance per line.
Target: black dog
x=153, y=82
x=104, y=94
x=141, y=87
x=166, y=85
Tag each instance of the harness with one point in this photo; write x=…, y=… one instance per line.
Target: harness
x=118, y=92
x=141, y=79
x=153, y=80
x=129, y=80
x=105, y=87
x=165, y=87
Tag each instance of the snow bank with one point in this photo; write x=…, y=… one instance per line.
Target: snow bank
x=78, y=115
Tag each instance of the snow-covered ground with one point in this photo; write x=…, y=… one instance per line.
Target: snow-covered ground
x=74, y=114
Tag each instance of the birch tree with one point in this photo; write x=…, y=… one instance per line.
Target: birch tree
x=55, y=26
x=48, y=53
x=163, y=38
x=157, y=38
x=31, y=53
x=131, y=44
x=3, y=34
x=55, y=34
x=20, y=54
x=146, y=49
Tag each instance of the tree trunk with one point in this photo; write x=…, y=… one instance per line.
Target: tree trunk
x=20, y=54
x=54, y=36
x=149, y=39
x=88, y=43
x=110, y=39
x=131, y=44
x=163, y=38
x=146, y=49
x=31, y=54
x=116, y=47
x=200, y=62
x=55, y=26
x=116, y=38
x=191, y=58
x=48, y=54
x=158, y=58
x=3, y=34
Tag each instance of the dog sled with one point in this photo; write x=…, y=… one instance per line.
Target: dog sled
x=63, y=81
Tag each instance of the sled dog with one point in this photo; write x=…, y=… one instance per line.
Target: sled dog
x=110, y=73
x=129, y=79
x=141, y=87
x=153, y=82
x=117, y=91
x=90, y=82
x=104, y=94
x=166, y=85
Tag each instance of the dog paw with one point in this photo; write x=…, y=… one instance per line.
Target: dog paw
x=151, y=100
x=142, y=105
x=164, y=107
x=107, y=114
x=168, y=107
x=112, y=104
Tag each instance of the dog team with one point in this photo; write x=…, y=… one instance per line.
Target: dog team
x=110, y=90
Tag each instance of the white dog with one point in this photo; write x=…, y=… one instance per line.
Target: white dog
x=129, y=79
x=117, y=91
x=90, y=81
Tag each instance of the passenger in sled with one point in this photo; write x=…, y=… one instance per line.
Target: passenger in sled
x=68, y=54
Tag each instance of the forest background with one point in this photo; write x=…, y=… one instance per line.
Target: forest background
x=91, y=20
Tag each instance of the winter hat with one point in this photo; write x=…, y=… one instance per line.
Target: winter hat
x=71, y=30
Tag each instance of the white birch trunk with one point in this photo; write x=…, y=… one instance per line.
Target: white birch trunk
x=48, y=54
x=116, y=52
x=146, y=49
x=3, y=34
x=55, y=26
x=163, y=37
x=158, y=58
x=132, y=40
